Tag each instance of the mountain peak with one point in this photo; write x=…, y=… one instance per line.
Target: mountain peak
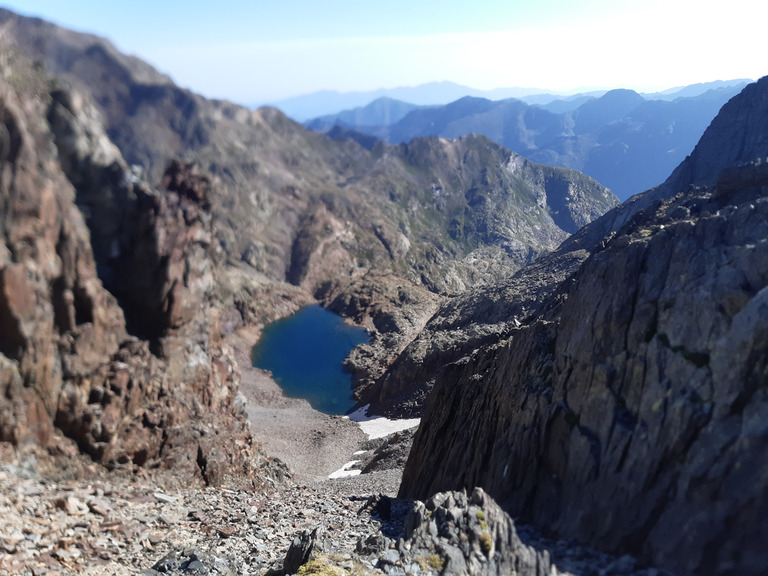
x=736, y=136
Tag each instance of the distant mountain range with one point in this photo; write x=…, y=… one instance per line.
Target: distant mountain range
x=308, y=106
x=627, y=141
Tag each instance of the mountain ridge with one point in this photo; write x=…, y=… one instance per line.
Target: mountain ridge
x=304, y=107
x=622, y=139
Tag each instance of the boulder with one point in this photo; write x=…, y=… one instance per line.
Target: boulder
x=453, y=533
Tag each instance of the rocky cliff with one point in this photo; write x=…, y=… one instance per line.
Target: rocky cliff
x=625, y=405
x=69, y=365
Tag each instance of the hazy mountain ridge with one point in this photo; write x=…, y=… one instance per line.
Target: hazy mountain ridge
x=329, y=102
x=381, y=112
x=624, y=140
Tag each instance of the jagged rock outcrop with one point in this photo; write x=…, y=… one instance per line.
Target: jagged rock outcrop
x=453, y=534
x=106, y=187
x=628, y=411
x=152, y=250
x=68, y=364
x=56, y=321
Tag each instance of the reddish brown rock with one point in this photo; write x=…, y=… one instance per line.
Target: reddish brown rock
x=66, y=359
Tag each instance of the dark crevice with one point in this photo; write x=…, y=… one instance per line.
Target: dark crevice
x=61, y=316
x=698, y=359
x=12, y=339
x=83, y=306
x=623, y=416
x=202, y=463
x=595, y=447
x=623, y=457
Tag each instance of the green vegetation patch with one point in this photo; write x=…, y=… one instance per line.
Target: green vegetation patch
x=321, y=566
x=486, y=543
x=432, y=562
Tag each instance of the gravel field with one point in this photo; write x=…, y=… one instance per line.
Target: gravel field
x=312, y=444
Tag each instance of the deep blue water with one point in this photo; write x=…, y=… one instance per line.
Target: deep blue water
x=304, y=352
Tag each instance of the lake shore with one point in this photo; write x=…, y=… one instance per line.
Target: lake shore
x=311, y=443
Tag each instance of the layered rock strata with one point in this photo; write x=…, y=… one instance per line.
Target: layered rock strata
x=627, y=409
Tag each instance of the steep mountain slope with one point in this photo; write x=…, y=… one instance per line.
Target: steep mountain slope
x=68, y=364
x=250, y=217
x=615, y=391
x=621, y=139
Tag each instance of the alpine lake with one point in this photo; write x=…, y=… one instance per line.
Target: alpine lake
x=305, y=352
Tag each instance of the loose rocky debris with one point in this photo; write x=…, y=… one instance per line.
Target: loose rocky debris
x=454, y=533
x=390, y=453
x=73, y=517
x=111, y=523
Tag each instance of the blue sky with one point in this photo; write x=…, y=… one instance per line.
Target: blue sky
x=255, y=52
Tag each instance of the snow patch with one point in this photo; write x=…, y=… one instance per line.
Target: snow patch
x=378, y=426
x=344, y=471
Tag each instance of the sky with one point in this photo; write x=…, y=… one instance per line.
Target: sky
x=261, y=51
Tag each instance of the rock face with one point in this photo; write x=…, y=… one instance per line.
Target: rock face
x=463, y=325
x=68, y=362
x=458, y=534
x=627, y=408
x=57, y=321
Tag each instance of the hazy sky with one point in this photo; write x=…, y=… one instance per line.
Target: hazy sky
x=259, y=51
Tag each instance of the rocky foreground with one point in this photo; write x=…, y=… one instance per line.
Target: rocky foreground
x=66, y=514
x=70, y=516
